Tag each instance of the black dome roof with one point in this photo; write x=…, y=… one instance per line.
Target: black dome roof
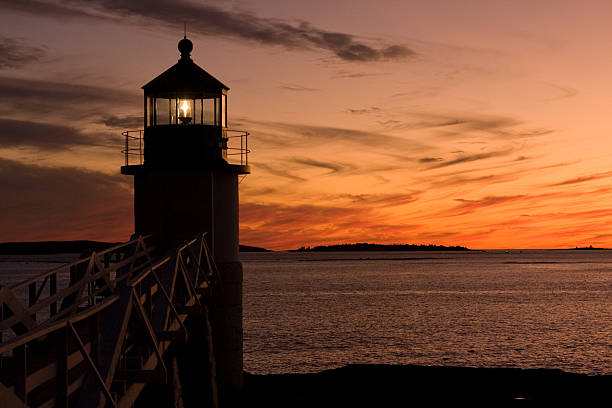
x=185, y=76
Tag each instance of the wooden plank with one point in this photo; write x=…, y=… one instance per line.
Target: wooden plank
x=48, y=372
x=9, y=399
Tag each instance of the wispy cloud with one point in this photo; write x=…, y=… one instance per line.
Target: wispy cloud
x=297, y=88
x=44, y=136
x=584, y=179
x=468, y=206
x=471, y=157
x=333, y=167
x=364, y=111
x=16, y=52
x=59, y=99
x=430, y=159
x=122, y=122
x=212, y=20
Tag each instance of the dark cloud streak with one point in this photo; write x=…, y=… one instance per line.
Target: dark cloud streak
x=42, y=136
x=210, y=20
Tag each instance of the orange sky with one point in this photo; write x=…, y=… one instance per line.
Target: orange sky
x=477, y=123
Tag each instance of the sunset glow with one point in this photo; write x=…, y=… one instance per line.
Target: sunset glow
x=478, y=123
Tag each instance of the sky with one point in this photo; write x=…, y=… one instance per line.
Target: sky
x=476, y=123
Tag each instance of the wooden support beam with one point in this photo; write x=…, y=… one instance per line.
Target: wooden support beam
x=149, y=330
x=92, y=366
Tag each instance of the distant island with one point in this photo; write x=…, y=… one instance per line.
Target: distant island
x=73, y=247
x=358, y=247
x=590, y=247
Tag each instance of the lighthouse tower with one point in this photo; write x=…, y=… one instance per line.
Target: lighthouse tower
x=186, y=182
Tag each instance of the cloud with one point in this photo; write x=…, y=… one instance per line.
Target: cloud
x=276, y=171
x=334, y=167
x=44, y=136
x=381, y=200
x=348, y=74
x=564, y=92
x=468, y=206
x=300, y=135
x=364, y=111
x=210, y=20
x=62, y=203
x=298, y=88
x=35, y=98
x=583, y=179
x=471, y=157
x=430, y=159
x=15, y=53
x=123, y=122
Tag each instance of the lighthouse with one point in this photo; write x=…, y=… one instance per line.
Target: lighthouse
x=186, y=165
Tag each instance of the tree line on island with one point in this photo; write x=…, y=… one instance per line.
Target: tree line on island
x=363, y=246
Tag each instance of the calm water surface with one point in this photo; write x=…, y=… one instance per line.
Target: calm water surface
x=306, y=312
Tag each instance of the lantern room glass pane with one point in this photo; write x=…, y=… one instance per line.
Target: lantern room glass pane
x=162, y=111
x=197, y=116
x=209, y=111
x=223, y=110
x=173, y=113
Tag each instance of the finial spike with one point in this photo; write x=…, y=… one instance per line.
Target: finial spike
x=185, y=29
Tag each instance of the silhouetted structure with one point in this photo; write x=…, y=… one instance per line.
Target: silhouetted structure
x=184, y=185
x=154, y=321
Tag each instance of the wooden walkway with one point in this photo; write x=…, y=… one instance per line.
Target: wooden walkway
x=94, y=332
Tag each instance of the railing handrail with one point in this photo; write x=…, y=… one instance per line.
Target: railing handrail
x=134, y=145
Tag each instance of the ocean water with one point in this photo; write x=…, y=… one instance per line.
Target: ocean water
x=306, y=312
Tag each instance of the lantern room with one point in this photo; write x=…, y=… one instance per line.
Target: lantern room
x=185, y=95
x=185, y=123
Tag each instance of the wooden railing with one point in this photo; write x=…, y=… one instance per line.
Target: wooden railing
x=100, y=337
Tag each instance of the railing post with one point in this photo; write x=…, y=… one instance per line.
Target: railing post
x=21, y=372
x=32, y=297
x=53, y=291
x=61, y=380
x=127, y=152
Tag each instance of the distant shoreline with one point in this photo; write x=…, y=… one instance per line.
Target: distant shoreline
x=362, y=247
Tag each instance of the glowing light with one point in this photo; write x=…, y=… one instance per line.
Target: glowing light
x=185, y=109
